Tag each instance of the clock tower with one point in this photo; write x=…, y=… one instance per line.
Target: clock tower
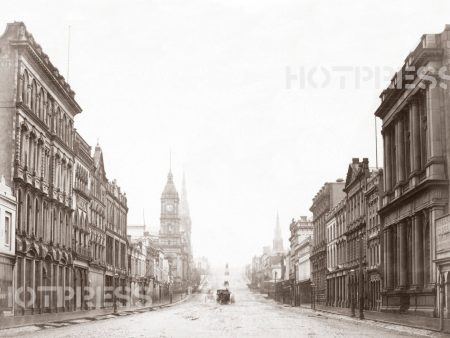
x=169, y=220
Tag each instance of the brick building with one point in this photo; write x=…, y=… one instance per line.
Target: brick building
x=325, y=200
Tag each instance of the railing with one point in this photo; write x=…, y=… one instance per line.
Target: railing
x=82, y=251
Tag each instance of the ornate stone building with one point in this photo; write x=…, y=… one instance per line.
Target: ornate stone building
x=337, y=279
x=97, y=227
x=301, y=230
x=7, y=247
x=175, y=233
x=415, y=114
x=325, y=200
x=116, y=274
x=373, y=192
x=37, y=158
x=61, y=191
x=81, y=218
x=355, y=232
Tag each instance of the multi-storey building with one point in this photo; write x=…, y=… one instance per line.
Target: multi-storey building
x=137, y=259
x=372, y=193
x=7, y=247
x=357, y=174
x=37, y=158
x=415, y=114
x=116, y=274
x=304, y=271
x=97, y=226
x=336, y=255
x=61, y=191
x=81, y=218
x=175, y=234
x=329, y=195
x=300, y=229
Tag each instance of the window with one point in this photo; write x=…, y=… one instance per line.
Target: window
x=7, y=229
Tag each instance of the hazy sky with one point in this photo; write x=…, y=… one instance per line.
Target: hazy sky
x=208, y=79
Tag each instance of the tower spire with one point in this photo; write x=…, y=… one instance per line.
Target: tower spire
x=277, y=239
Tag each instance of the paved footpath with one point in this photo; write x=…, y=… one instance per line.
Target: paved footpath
x=30, y=323
x=419, y=322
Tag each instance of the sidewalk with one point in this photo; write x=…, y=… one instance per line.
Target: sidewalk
x=27, y=320
x=410, y=320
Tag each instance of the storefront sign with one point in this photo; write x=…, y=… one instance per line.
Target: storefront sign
x=443, y=234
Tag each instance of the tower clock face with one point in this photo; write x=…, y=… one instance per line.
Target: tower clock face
x=169, y=207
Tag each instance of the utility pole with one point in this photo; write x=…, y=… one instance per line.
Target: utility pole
x=441, y=299
x=68, y=54
x=361, y=284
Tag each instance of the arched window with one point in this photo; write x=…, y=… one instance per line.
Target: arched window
x=36, y=217
x=64, y=129
x=44, y=220
x=19, y=210
x=57, y=122
x=33, y=97
x=29, y=207
x=52, y=225
x=40, y=106
x=60, y=232
x=25, y=88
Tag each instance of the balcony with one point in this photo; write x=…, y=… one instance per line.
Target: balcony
x=82, y=252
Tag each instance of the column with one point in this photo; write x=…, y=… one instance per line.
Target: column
x=403, y=278
x=415, y=145
x=387, y=161
x=435, y=213
x=389, y=274
x=400, y=150
x=336, y=292
x=418, y=250
x=434, y=102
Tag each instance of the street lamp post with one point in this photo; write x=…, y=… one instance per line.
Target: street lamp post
x=441, y=299
x=361, y=283
x=352, y=293
x=276, y=272
x=114, y=293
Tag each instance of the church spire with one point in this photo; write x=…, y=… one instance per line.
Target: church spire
x=184, y=206
x=277, y=240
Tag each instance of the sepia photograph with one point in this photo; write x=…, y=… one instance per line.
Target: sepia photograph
x=224, y=168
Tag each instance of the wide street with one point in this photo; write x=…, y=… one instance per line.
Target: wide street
x=251, y=316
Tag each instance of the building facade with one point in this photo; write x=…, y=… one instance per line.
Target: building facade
x=116, y=274
x=37, y=159
x=415, y=115
x=175, y=235
x=373, y=193
x=60, y=190
x=300, y=230
x=329, y=195
x=355, y=233
x=7, y=247
x=337, y=278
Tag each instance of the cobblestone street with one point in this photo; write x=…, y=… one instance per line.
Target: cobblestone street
x=251, y=316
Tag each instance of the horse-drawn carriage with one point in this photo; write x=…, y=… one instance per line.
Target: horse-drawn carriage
x=223, y=296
